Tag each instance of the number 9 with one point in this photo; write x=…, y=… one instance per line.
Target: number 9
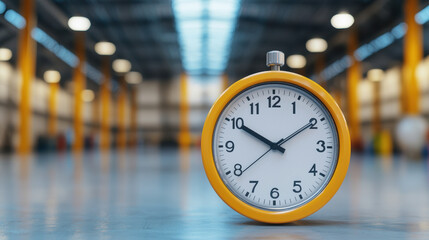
x=229, y=146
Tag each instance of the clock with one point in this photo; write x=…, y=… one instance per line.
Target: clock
x=275, y=145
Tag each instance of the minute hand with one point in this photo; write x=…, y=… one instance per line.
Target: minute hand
x=283, y=140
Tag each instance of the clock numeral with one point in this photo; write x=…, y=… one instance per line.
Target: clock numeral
x=229, y=146
x=237, y=170
x=237, y=123
x=254, y=186
x=297, y=186
x=274, y=193
x=322, y=145
x=294, y=108
x=313, y=170
x=313, y=121
x=256, y=106
x=273, y=101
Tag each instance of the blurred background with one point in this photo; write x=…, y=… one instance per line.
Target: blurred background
x=102, y=103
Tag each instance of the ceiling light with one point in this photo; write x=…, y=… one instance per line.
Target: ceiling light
x=342, y=20
x=2, y=7
x=296, y=61
x=87, y=95
x=316, y=45
x=121, y=66
x=133, y=78
x=15, y=19
x=375, y=75
x=105, y=48
x=5, y=54
x=79, y=24
x=52, y=76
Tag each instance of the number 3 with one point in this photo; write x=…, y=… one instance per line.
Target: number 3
x=322, y=144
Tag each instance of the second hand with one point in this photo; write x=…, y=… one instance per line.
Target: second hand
x=282, y=141
x=260, y=157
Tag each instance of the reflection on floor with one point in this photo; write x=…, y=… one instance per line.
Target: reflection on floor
x=154, y=193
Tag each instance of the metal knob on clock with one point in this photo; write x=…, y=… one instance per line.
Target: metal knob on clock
x=275, y=60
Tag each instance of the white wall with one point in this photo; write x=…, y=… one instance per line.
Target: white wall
x=10, y=92
x=390, y=93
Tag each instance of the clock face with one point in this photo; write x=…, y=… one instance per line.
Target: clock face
x=275, y=146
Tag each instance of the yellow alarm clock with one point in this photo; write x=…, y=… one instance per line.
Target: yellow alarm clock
x=275, y=145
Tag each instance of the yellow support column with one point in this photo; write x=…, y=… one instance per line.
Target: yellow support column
x=378, y=138
x=376, y=117
x=413, y=54
x=95, y=107
x=52, y=127
x=122, y=102
x=225, y=82
x=105, y=102
x=26, y=65
x=133, y=117
x=386, y=148
x=354, y=75
x=79, y=85
x=184, y=135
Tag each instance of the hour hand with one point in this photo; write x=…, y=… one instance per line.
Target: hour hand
x=273, y=145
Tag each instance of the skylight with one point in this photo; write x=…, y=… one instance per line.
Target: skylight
x=205, y=29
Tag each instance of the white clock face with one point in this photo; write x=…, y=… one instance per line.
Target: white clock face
x=275, y=146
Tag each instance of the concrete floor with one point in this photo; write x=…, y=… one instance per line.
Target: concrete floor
x=164, y=194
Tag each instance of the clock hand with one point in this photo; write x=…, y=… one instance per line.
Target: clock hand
x=273, y=145
x=309, y=124
x=281, y=141
x=256, y=160
x=277, y=143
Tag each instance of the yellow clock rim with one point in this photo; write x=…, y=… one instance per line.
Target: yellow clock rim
x=276, y=216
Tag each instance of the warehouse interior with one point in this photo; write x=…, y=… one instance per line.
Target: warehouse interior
x=102, y=104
